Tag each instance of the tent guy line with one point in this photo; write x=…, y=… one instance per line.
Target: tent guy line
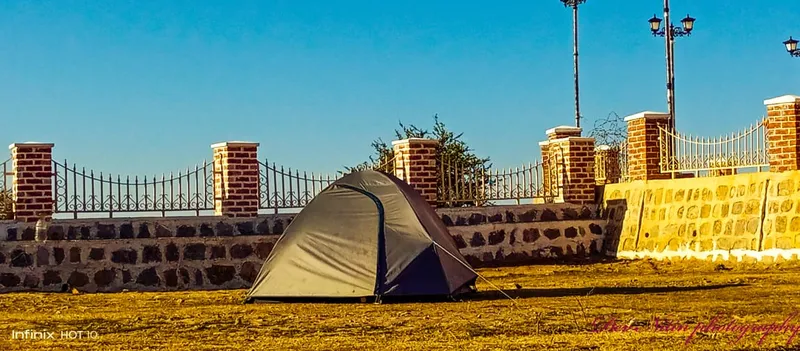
x=478, y=274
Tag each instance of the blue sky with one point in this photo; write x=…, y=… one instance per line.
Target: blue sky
x=143, y=87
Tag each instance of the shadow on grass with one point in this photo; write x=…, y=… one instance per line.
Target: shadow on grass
x=549, y=261
x=497, y=295
x=566, y=292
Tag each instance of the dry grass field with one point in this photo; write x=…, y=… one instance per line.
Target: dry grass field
x=554, y=309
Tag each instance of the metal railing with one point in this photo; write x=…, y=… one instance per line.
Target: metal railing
x=81, y=191
x=283, y=188
x=388, y=165
x=472, y=184
x=611, y=164
x=286, y=188
x=722, y=155
x=6, y=191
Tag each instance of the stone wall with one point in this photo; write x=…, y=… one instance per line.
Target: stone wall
x=148, y=254
x=513, y=235
x=137, y=254
x=744, y=217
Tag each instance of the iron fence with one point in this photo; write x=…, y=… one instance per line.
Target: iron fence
x=463, y=183
x=722, y=155
x=6, y=180
x=286, y=188
x=388, y=165
x=623, y=162
x=81, y=191
x=611, y=164
x=6, y=191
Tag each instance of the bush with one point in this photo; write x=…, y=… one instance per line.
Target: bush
x=463, y=183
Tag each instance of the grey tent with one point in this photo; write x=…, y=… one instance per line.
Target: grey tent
x=367, y=235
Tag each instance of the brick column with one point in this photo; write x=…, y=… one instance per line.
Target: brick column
x=572, y=156
x=236, y=179
x=550, y=185
x=415, y=163
x=783, y=115
x=643, y=147
x=33, y=181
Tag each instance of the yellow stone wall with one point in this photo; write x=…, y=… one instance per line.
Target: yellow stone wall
x=782, y=218
x=742, y=217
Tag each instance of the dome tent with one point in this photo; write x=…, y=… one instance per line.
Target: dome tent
x=367, y=235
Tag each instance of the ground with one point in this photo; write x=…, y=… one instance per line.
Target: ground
x=555, y=307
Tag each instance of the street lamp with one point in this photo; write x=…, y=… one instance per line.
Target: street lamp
x=791, y=47
x=687, y=23
x=574, y=4
x=669, y=32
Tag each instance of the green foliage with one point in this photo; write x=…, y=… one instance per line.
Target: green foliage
x=461, y=172
x=6, y=205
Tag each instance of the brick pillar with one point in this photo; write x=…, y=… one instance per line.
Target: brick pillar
x=572, y=157
x=236, y=179
x=783, y=115
x=549, y=167
x=607, y=165
x=415, y=163
x=643, y=147
x=33, y=181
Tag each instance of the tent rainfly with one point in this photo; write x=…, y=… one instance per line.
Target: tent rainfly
x=368, y=235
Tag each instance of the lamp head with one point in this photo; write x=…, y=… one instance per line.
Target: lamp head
x=655, y=24
x=688, y=24
x=791, y=45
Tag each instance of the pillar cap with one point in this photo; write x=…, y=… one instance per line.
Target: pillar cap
x=234, y=143
x=563, y=129
x=785, y=99
x=647, y=115
x=417, y=140
x=31, y=143
x=572, y=138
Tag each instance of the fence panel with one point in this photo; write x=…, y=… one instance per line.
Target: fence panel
x=467, y=184
x=611, y=164
x=722, y=155
x=388, y=165
x=6, y=190
x=76, y=190
x=284, y=188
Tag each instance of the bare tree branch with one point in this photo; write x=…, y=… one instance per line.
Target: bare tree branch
x=611, y=130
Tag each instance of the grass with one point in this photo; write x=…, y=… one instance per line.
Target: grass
x=553, y=310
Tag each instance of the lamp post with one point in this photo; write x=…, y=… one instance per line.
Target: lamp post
x=574, y=4
x=669, y=32
x=791, y=47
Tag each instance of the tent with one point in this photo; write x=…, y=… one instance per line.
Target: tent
x=368, y=235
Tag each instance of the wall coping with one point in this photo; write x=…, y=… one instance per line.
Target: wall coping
x=206, y=218
x=785, y=99
x=647, y=115
x=31, y=143
x=417, y=140
x=235, y=143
